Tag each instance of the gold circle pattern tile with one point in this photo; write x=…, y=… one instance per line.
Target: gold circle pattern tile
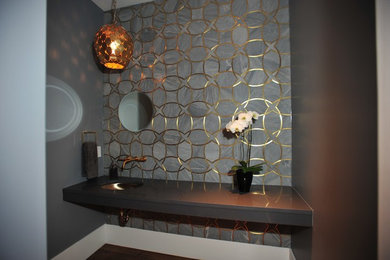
x=201, y=63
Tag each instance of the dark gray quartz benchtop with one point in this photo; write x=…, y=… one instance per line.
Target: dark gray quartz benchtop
x=268, y=204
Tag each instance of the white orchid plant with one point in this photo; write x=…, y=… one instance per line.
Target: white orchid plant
x=241, y=127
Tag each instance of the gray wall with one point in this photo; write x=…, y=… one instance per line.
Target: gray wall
x=335, y=126
x=22, y=128
x=383, y=60
x=200, y=62
x=71, y=26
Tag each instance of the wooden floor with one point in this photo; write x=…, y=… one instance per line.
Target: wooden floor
x=108, y=251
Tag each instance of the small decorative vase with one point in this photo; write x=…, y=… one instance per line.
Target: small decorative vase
x=244, y=181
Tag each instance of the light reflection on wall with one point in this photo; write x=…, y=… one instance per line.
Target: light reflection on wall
x=64, y=109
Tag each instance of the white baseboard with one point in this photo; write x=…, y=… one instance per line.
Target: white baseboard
x=185, y=246
x=292, y=256
x=85, y=247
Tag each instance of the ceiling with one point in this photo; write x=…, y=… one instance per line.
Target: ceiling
x=105, y=5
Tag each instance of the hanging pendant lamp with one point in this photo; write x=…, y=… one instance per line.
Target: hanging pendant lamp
x=113, y=45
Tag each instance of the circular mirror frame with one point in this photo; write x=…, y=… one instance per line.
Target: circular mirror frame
x=135, y=111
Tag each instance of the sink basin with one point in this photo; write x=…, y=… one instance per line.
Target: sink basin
x=121, y=185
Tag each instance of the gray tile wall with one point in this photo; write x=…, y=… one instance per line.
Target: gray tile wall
x=237, y=231
x=201, y=62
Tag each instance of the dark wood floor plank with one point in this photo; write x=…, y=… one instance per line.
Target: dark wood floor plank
x=108, y=252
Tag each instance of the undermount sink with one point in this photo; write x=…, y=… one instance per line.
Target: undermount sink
x=121, y=185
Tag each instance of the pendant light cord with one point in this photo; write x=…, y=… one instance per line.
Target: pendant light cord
x=113, y=7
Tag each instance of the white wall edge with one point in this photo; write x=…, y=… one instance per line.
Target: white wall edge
x=166, y=243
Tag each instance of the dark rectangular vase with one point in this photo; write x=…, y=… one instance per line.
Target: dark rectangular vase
x=244, y=181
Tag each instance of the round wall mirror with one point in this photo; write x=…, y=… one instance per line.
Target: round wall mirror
x=135, y=111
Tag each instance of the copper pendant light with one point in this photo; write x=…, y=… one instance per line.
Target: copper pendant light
x=113, y=45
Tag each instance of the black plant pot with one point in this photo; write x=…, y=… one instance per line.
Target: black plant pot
x=244, y=181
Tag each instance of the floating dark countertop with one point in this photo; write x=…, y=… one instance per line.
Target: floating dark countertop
x=268, y=204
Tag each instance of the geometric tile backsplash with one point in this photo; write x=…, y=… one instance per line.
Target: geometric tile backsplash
x=200, y=63
x=236, y=231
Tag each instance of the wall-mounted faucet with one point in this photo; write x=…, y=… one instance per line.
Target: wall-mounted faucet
x=131, y=159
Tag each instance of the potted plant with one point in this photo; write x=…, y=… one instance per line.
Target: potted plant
x=241, y=128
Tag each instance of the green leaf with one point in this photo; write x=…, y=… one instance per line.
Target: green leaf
x=236, y=167
x=258, y=165
x=243, y=164
x=245, y=168
x=254, y=169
